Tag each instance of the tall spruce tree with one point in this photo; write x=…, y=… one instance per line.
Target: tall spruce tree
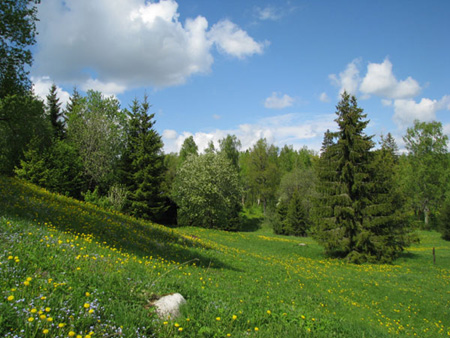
x=360, y=214
x=344, y=176
x=54, y=112
x=385, y=231
x=144, y=164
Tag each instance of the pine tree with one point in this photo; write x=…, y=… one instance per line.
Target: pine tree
x=54, y=112
x=144, y=170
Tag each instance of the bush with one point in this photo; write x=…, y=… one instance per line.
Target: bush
x=208, y=193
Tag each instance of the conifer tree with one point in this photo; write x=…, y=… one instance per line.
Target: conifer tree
x=296, y=218
x=344, y=180
x=144, y=172
x=54, y=112
x=360, y=214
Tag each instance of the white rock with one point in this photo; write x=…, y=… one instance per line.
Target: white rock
x=169, y=305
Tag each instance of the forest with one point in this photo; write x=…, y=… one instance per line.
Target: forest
x=360, y=199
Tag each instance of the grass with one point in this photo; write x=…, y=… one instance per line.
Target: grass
x=68, y=268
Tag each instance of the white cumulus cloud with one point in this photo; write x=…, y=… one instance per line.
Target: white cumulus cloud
x=231, y=39
x=291, y=129
x=125, y=44
x=41, y=87
x=276, y=101
x=349, y=79
x=381, y=81
x=408, y=110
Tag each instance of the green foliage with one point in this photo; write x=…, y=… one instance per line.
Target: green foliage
x=54, y=113
x=207, y=192
x=296, y=194
x=297, y=222
x=444, y=219
x=229, y=146
x=96, y=127
x=360, y=214
x=426, y=179
x=21, y=119
x=57, y=168
x=262, y=171
x=188, y=148
x=17, y=33
x=143, y=164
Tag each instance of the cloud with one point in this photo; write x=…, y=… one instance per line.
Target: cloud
x=292, y=129
x=230, y=39
x=41, y=87
x=268, y=13
x=348, y=80
x=127, y=44
x=380, y=81
x=324, y=97
x=107, y=89
x=216, y=117
x=408, y=110
x=276, y=101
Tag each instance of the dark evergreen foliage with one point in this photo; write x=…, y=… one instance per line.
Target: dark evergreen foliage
x=359, y=213
x=54, y=113
x=143, y=164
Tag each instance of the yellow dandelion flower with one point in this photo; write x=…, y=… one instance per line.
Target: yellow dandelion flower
x=177, y=325
x=269, y=312
x=43, y=298
x=33, y=310
x=87, y=294
x=42, y=316
x=47, y=309
x=45, y=331
x=180, y=329
x=87, y=336
x=11, y=298
x=29, y=279
x=218, y=318
x=61, y=325
x=234, y=317
x=165, y=323
x=26, y=283
x=49, y=319
x=91, y=311
x=30, y=319
x=71, y=334
x=256, y=329
x=87, y=305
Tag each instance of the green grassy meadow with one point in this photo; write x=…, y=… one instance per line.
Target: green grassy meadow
x=71, y=269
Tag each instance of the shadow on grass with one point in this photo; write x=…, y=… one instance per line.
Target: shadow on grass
x=32, y=204
x=250, y=224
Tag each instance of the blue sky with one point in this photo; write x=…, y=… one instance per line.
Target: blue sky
x=255, y=69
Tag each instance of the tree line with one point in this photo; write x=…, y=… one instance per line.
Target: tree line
x=359, y=199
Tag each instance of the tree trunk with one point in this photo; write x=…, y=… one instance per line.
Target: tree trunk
x=426, y=213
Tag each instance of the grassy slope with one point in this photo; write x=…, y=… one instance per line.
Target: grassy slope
x=95, y=271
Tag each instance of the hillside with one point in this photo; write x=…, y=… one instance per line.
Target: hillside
x=68, y=268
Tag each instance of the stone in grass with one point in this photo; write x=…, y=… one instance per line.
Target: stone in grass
x=169, y=305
